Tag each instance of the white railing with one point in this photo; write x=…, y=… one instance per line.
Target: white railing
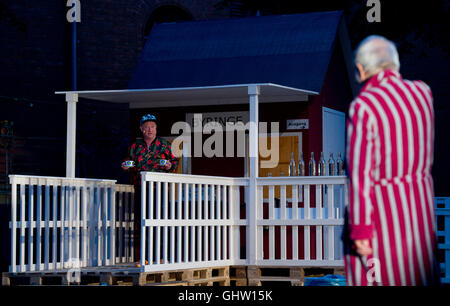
x=300, y=221
x=59, y=223
x=193, y=221
x=189, y=221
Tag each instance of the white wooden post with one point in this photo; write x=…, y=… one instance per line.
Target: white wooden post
x=13, y=267
x=72, y=99
x=252, y=243
x=142, y=220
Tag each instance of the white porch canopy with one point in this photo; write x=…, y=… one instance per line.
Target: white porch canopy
x=187, y=96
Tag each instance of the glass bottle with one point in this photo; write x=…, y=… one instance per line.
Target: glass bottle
x=322, y=166
x=339, y=165
x=331, y=166
x=292, y=166
x=301, y=165
x=312, y=166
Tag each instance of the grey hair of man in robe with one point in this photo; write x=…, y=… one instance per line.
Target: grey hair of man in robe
x=376, y=53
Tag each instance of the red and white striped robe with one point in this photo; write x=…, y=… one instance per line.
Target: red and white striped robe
x=390, y=140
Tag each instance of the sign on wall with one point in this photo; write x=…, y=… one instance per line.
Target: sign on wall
x=222, y=118
x=297, y=124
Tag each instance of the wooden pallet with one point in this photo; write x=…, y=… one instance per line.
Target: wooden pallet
x=293, y=276
x=211, y=276
x=129, y=275
x=238, y=276
x=37, y=279
x=122, y=275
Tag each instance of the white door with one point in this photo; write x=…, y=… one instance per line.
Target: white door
x=333, y=133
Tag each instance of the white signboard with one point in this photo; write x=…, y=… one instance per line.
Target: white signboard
x=297, y=124
x=222, y=118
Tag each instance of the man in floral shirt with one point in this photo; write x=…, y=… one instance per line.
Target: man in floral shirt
x=152, y=154
x=149, y=153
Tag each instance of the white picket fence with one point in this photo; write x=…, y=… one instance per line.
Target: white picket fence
x=187, y=221
x=191, y=221
x=306, y=216
x=60, y=223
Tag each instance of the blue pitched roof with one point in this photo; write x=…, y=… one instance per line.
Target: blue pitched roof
x=290, y=50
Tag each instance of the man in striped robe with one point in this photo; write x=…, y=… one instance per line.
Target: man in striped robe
x=389, y=234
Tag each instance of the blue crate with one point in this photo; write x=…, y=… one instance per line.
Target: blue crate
x=327, y=280
x=442, y=212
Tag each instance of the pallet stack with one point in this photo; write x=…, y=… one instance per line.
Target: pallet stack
x=122, y=275
x=290, y=276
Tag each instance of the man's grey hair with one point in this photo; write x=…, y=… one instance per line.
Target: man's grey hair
x=376, y=53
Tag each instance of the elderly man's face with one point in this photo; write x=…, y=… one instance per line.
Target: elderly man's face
x=149, y=129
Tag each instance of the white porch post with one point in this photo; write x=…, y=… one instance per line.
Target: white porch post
x=72, y=99
x=252, y=242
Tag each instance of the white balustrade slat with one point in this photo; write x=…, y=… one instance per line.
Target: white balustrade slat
x=199, y=243
x=236, y=216
x=158, y=212
x=258, y=215
x=144, y=203
x=158, y=245
x=112, y=219
x=207, y=245
x=31, y=227
x=271, y=217
x=306, y=231
x=132, y=222
x=295, y=217
x=283, y=203
x=212, y=236
x=165, y=200
x=172, y=217
x=213, y=201
x=127, y=233
x=225, y=242
x=13, y=267
x=179, y=200
x=186, y=244
x=22, y=227
x=283, y=216
x=219, y=202
x=150, y=242
x=206, y=201
x=224, y=202
x=68, y=233
x=172, y=201
x=192, y=203
x=179, y=244
x=319, y=215
x=330, y=229
x=98, y=229
x=105, y=226
x=225, y=216
x=84, y=231
x=47, y=227
x=165, y=244
x=199, y=201
x=218, y=242
x=38, y=226
x=78, y=226
x=186, y=201
x=165, y=217
x=319, y=211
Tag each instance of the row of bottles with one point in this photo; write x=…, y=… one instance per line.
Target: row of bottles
x=333, y=167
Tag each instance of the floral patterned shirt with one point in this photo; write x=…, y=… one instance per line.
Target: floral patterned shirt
x=146, y=158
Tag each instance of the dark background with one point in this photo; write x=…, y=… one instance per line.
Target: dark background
x=36, y=61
